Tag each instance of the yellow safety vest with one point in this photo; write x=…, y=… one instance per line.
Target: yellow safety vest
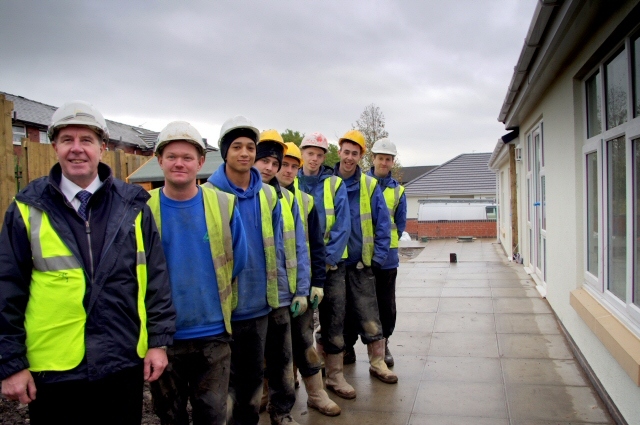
x=218, y=210
x=55, y=317
x=305, y=202
x=331, y=186
x=392, y=199
x=367, y=186
x=289, y=225
x=268, y=202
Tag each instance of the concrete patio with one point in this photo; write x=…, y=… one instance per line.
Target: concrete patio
x=474, y=344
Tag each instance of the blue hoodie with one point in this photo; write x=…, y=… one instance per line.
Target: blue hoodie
x=339, y=235
x=252, y=281
x=399, y=217
x=380, y=218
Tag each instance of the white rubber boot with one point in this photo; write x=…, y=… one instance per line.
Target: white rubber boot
x=335, y=378
x=377, y=366
x=318, y=397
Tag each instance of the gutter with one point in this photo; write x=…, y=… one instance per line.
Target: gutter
x=532, y=43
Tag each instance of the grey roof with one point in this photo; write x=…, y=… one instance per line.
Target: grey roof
x=151, y=172
x=466, y=174
x=39, y=115
x=411, y=173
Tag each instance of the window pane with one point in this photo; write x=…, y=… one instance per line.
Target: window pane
x=44, y=139
x=18, y=133
x=529, y=152
x=616, y=90
x=636, y=76
x=543, y=203
x=594, y=113
x=592, y=213
x=636, y=221
x=617, y=217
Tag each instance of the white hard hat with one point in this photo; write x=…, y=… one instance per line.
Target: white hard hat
x=235, y=123
x=78, y=112
x=180, y=130
x=384, y=146
x=316, y=140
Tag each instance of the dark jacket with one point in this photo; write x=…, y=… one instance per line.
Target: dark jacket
x=112, y=327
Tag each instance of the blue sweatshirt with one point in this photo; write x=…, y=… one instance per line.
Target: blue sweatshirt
x=399, y=217
x=194, y=285
x=252, y=281
x=380, y=218
x=339, y=234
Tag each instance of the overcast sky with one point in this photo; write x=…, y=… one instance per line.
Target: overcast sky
x=438, y=70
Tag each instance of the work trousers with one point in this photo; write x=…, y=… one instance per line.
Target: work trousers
x=305, y=355
x=386, y=295
x=115, y=399
x=332, y=311
x=362, y=317
x=247, y=369
x=198, y=371
x=279, y=359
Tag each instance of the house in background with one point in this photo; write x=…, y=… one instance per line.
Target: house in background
x=411, y=173
x=465, y=177
x=31, y=119
x=574, y=101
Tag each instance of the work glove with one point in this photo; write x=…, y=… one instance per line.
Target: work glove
x=298, y=306
x=316, y=296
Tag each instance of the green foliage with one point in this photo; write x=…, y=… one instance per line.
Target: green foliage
x=292, y=136
x=332, y=157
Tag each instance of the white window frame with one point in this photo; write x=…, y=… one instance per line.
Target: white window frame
x=44, y=140
x=13, y=126
x=626, y=311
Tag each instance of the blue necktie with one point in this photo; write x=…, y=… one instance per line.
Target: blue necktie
x=83, y=196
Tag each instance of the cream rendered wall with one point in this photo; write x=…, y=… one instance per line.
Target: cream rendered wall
x=561, y=110
x=413, y=206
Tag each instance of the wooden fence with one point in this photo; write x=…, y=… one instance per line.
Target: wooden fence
x=37, y=159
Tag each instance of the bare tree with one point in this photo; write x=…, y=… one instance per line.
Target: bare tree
x=371, y=125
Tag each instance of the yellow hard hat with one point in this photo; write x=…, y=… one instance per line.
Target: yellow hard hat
x=294, y=152
x=356, y=137
x=273, y=136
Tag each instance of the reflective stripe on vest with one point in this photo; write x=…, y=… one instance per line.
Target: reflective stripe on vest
x=218, y=210
x=330, y=188
x=392, y=199
x=367, y=186
x=305, y=201
x=55, y=316
x=289, y=226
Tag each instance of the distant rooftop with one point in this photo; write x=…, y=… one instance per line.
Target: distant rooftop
x=411, y=173
x=466, y=174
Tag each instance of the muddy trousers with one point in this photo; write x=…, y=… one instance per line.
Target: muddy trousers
x=279, y=359
x=362, y=317
x=332, y=311
x=198, y=371
x=115, y=399
x=386, y=295
x=305, y=355
x=247, y=369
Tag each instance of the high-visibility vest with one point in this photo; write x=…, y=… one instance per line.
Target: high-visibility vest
x=367, y=186
x=330, y=188
x=268, y=202
x=289, y=227
x=305, y=203
x=392, y=197
x=55, y=317
x=218, y=210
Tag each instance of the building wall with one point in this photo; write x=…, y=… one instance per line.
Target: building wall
x=561, y=109
x=451, y=229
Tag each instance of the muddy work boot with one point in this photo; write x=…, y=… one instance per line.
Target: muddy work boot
x=335, y=378
x=318, y=397
x=349, y=356
x=388, y=358
x=377, y=366
x=284, y=419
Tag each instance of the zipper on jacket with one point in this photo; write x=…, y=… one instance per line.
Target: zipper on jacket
x=87, y=228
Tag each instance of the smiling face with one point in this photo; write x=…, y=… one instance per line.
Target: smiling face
x=382, y=164
x=268, y=167
x=350, y=154
x=180, y=162
x=241, y=155
x=289, y=171
x=79, y=150
x=313, y=158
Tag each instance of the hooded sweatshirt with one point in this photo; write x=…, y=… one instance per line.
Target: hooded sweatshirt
x=380, y=218
x=339, y=235
x=252, y=280
x=399, y=217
